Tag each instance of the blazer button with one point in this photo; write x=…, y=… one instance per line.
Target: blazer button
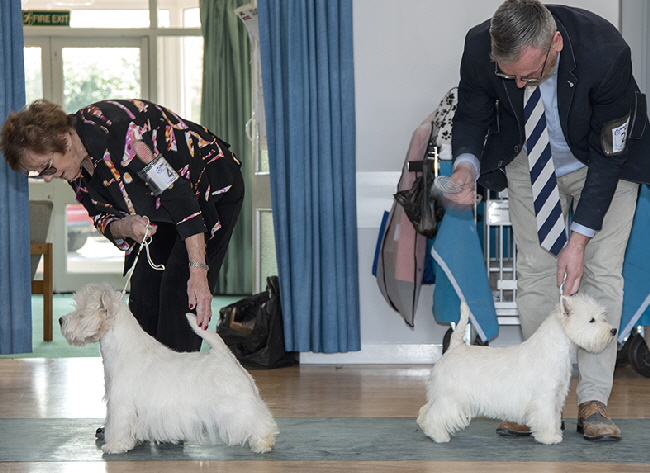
x=516, y=148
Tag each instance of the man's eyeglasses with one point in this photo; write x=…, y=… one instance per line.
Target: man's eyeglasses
x=505, y=76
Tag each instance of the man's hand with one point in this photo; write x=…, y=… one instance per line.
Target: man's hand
x=570, y=263
x=464, y=177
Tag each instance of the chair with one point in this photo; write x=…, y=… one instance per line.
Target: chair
x=40, y=213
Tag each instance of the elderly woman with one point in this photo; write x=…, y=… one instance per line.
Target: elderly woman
x=139, y=169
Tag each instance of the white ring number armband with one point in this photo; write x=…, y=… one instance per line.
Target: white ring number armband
x=159, y=174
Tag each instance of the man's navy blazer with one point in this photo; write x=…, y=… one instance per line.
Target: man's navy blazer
x=595, y=91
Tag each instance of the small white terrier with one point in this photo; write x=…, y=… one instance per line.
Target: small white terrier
x=526, y=384
x=156, y=394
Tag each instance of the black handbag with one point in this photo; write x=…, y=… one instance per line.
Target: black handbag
x=253, y=329
x=422, y=202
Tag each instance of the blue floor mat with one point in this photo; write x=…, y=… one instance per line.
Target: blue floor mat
x=328, y=438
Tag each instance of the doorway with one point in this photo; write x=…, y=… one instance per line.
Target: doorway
x=72, y=75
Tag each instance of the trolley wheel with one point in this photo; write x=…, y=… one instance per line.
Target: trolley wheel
x=622, y=358
x=638, y=354
x=447, y=339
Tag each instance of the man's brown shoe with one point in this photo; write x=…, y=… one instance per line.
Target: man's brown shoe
x=510, y=429
x=594, y=422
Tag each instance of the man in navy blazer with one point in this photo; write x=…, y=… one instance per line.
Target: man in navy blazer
x=596, y=118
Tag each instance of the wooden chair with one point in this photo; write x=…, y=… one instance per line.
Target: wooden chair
x=40, y=213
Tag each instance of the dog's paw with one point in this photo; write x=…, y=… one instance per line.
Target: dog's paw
x=548, y=438
x=117, y=447
x=433, y=430
x=437, y=435
x=444, y=438
x=263, y=445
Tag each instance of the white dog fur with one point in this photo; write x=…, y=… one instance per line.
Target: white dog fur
x=156, y=394
x=526, y=384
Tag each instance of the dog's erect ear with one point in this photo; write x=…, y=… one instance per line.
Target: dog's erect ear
x=565, y=306
x=105, y=302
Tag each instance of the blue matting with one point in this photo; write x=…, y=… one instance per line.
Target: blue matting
x=329, y=438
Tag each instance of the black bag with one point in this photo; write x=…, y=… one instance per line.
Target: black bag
x=253, y=330
x=422, y=203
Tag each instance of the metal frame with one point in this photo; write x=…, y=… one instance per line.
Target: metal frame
x=501, y=258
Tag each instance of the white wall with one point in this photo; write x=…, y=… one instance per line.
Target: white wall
x=635, y=27
x=407, y=55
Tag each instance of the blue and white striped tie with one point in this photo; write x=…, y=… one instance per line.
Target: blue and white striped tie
x=546, y=197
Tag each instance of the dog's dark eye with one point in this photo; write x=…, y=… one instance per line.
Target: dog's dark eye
x=592, y=320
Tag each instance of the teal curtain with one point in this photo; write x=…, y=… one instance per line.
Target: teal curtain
x=15, y=282
x=308, y=79
x=225, y=109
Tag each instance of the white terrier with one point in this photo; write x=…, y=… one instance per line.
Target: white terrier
x=526, y=384
x=156, y=394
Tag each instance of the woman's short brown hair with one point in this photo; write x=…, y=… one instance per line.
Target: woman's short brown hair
x=39, y=127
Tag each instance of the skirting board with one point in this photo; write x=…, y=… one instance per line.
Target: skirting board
x=378, y=355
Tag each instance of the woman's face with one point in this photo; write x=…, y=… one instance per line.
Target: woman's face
x=54, y=165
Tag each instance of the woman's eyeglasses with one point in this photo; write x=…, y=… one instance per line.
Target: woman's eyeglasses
x=505, y=76
x=48, y=171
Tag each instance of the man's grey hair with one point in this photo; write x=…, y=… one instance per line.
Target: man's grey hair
x=517, y=24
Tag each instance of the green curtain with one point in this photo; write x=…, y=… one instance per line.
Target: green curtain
x=225, y=109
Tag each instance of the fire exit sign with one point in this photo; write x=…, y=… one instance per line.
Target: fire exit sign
x=46, y=18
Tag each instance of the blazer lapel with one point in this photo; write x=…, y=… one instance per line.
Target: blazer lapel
x=515, y=101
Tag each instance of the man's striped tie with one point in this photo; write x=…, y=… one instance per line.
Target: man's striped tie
x=546, y=197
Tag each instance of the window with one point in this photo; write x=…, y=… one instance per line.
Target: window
x=111, y=49
x=93, y=74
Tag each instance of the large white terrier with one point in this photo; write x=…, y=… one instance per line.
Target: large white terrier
x=526, y=384
x=156, y=394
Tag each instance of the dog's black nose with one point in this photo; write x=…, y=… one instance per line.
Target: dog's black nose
x=60, y=320
x=614, y=331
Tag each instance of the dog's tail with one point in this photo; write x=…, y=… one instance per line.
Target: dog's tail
x=212, y=338
x=459, y=333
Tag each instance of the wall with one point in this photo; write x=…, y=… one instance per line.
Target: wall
x=635, y=27
x=407, y=55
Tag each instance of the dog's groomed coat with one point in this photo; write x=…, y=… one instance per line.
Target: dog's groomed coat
x=156, y=394
x=526, y=384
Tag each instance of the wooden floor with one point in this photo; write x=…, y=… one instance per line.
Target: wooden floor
x=73, y=388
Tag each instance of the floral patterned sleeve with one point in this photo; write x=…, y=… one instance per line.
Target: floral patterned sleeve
x=108, y=130
x=102, y=213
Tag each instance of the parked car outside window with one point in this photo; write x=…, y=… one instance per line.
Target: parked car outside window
x=79, y=226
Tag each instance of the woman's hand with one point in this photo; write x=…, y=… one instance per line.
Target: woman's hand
x=200, y=296
x=134, y=227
